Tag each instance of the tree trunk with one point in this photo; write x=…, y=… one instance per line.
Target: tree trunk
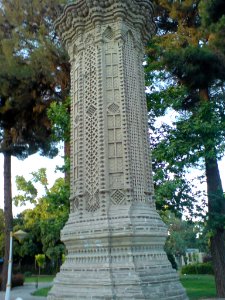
x=7, y=215
x=217, y=251
x=216, y=209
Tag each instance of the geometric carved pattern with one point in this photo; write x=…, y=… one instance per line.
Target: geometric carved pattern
x=91, y=127
x=117, y=197
x=76, y=203
x=113, y=108
x=114, y=122
x=135, y=133
x=108, y=33
x=91, y=110
x=92, y=202
x=74, y=132
x=76, y=120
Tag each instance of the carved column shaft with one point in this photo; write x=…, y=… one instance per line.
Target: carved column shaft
x=110, y=159
x=114, y=235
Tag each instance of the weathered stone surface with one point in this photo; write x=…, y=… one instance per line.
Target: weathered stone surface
x=114, y=235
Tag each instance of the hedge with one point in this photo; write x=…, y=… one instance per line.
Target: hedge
x=17, y=280
x=198, y=268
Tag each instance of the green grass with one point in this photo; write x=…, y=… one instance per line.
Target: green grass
x=42, y=292
x=42, y=278
x=199, y=286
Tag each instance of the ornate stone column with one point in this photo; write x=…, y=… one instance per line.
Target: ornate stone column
x=114, y=236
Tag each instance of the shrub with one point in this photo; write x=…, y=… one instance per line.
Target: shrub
x=17, y=280
x=198, y=268
x=27, y=274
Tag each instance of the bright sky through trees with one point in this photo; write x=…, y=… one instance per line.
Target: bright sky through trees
x=25, y=168
x=35, y=162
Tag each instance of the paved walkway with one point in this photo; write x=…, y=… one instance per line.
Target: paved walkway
x=24, y=292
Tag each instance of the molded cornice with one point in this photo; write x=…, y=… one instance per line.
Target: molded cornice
x=86, y=14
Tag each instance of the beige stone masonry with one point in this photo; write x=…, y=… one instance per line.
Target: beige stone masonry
x=114, y=236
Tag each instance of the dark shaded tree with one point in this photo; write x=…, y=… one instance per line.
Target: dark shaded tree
x=34, y=72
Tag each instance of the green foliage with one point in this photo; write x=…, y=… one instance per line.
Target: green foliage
x=186, y=145
x=185, y=72
x=182, y=235
x=59, y=115
x=28, y=248
x=196, y=67
x=172, y=191
x=215, y=10
x=40, y=259
x=41, y=177
x=29, y=192
x=190, y=52
x=46, y=219
x=63, y=258
x=198, y=268
x=34, y=72
x=27, y=274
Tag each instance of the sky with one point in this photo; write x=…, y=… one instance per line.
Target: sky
x=35, y=162
x=25, y=168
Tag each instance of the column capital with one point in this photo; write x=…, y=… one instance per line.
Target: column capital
x=87, y=14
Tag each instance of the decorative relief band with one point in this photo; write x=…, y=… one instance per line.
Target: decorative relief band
x=91, y=127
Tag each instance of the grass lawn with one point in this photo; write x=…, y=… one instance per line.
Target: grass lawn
x=42, y=292
x=41, y=278
x=199, y=286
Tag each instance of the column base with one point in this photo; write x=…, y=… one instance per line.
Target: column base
x=118, y=257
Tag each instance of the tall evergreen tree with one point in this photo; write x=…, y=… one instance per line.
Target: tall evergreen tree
x=190, y=57
x=34, y=72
